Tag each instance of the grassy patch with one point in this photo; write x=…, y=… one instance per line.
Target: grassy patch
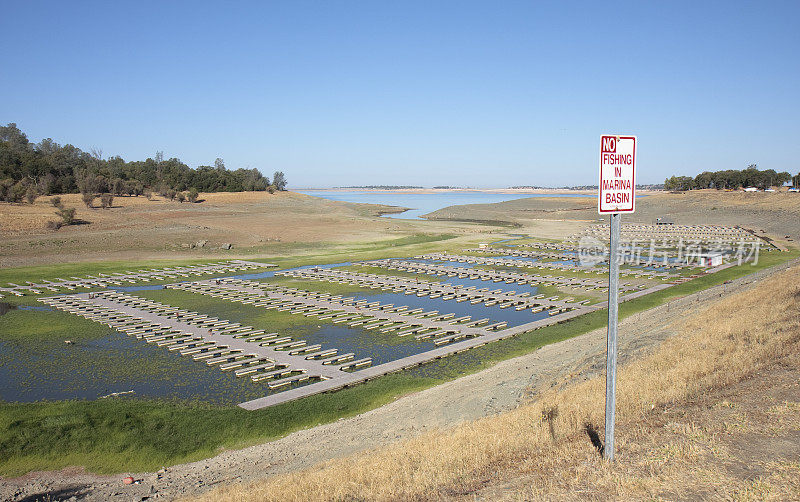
x=32, y=326
x=402, y=246
x=395, y=273
x=339, y=253
x=333, y=288
x=66, y=270
x=133, y=435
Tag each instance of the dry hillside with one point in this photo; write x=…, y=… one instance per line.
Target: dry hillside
x=776, y=214
x=137, y=228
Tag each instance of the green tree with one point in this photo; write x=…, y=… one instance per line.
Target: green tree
x=58, y=169
x=18, y=192
x=279, y=180
x=88, y=199
x=678, y=183
x=31, y=194
x=106, y=200
x=67, y=215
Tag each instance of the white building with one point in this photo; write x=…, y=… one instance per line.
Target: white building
x=709, y=259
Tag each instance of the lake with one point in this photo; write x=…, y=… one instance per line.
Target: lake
x=423, y=203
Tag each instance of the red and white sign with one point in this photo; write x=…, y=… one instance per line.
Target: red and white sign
x=617, y=174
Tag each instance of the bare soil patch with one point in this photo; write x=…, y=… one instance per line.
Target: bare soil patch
x=775, y=214
x=137, y=228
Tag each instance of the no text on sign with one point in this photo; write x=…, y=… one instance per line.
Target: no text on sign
x=617, y=174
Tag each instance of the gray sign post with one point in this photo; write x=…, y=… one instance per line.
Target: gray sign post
x=616, y=195
x=611, y=349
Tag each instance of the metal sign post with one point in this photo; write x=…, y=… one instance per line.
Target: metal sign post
x=611, y=349
x=617, y=195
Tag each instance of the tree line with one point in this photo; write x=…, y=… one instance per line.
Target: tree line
x=46, y=168
x=731, y=179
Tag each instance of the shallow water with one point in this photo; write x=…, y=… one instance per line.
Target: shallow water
x=381, y=347
x=90, y=369
x=478, y=311
x=93, y=368
x=480, y=284
x=422, y=203
x=512, y=257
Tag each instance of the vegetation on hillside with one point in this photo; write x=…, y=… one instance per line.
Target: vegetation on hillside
x=731, y=179
x=30, y=169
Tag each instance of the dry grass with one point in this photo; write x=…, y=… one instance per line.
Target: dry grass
x=545, y=442
x=256, y=223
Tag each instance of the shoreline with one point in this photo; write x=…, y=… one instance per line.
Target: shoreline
x=522, y=191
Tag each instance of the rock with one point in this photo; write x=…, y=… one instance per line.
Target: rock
x=227, y=245
x=201, y=244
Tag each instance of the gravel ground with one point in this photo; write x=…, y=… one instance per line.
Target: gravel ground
x=499, y=388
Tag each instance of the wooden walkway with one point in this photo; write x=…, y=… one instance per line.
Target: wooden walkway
x=130, y=277
x=496, y=275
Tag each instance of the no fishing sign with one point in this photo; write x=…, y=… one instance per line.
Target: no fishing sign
x=616, y=195
x=617, y=174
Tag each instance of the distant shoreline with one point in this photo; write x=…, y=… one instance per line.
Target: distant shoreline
x=522, y=191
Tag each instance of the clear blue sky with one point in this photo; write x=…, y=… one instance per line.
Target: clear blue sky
x=374, y=92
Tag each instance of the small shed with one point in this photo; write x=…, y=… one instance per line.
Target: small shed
x=663, y=220
x=709, y=259
x=483, y=245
